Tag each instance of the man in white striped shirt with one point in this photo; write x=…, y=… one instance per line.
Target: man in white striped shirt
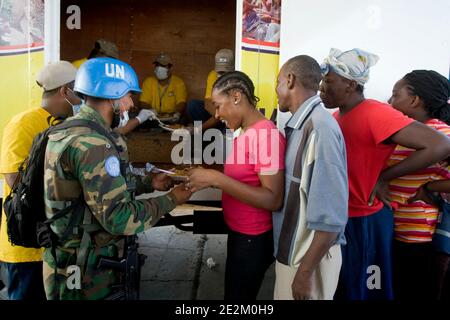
x=309, y=229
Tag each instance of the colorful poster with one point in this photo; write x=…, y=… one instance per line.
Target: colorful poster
x=21, y=56
x=260, y=46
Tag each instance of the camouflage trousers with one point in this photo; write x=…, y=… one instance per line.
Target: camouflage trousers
x=70, y=283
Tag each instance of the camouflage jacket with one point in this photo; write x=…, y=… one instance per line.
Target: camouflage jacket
x=79, y=162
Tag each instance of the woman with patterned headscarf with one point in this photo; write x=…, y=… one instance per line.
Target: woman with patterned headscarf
x=372, y=130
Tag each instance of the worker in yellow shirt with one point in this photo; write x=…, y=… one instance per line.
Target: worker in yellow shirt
x=24, y=265
x=102, y=48
x=203, y=110
x=165, y=93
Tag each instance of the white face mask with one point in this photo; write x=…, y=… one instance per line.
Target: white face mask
x=75, y=107
x=161, y=73
x=123, y=119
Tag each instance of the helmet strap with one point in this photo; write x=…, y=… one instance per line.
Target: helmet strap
x=115, y=104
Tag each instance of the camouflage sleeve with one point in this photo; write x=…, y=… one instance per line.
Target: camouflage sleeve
x=144, y=185
x=94, y=163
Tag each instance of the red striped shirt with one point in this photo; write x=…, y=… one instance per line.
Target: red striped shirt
x=416, y=222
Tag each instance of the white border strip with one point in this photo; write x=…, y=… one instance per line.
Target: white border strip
x=52, y=30
x=238, y=45
x=260, y=46
x=20, y=50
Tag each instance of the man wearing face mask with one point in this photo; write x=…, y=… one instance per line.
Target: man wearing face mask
x=87, y=173
x=24, y=265
x=203, y=110
x=165, y=92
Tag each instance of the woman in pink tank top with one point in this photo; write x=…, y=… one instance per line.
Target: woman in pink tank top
x=252, y=184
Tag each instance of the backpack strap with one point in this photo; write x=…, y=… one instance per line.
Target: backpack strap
x=78, y=207
x=88, y=124
x=85, y=242
x=44, y=236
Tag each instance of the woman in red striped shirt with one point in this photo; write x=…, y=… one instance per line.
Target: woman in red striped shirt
x=424, y=96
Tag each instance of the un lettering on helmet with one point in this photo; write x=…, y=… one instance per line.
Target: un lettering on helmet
x=114, y=70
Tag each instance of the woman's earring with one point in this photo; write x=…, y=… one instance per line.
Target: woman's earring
x=235, y=102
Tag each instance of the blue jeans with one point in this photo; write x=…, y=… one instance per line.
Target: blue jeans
x=367, y=257
x=25, y=281
x=196, y=110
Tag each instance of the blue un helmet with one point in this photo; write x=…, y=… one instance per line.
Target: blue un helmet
x=106, y=78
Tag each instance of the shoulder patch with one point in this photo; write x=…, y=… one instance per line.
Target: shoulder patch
x=112, y=166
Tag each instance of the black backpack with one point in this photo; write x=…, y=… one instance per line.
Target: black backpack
x=27, y=224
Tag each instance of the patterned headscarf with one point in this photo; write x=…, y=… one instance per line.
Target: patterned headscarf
x=352, y=64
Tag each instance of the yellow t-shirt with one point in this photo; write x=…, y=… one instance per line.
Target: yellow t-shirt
x=212, y=77
x=18, y=136
x=163, y=99
x=78, y=63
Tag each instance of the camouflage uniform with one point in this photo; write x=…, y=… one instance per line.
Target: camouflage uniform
x=74, y=166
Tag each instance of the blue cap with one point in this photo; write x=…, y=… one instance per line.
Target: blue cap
x=106, y=78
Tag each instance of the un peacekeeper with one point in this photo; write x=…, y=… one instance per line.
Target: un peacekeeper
x=81, y=163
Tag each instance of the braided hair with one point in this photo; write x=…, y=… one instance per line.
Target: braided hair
x=237, y=80
x=433, y=89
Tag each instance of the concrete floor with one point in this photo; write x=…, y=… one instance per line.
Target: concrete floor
x=176, y=267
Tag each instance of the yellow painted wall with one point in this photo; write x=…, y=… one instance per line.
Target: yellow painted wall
x=263, y=70
x=18, y=88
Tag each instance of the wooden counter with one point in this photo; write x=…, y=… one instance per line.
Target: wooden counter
x=153, y=147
